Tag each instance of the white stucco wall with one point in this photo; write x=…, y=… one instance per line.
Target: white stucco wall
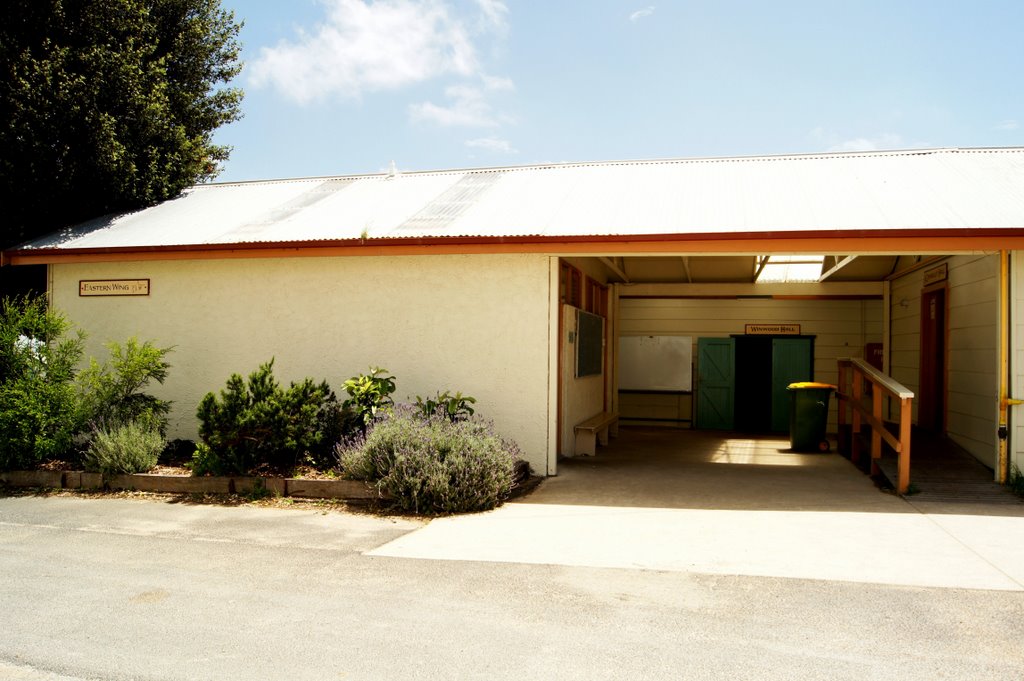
x=479, y=324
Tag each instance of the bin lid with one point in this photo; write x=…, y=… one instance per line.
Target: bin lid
x=810, y=385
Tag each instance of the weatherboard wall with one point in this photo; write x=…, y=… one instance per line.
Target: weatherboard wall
x=1016, y=358
x=477, y=324
x=972, y=351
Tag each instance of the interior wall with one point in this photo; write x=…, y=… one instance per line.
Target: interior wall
x=841, y=329
x=581, y=397
x=971, y=345
x=478, y=324
x=1016, y=414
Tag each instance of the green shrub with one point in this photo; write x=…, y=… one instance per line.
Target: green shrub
x=38, y=355
x=130, y=447
x=255, y=422
x=205, y=462
x=112, y=394
x=454, y=407
x=1016, y=481
x=369, y=394
x=335, y=422
x=36, y=422
x=433, y=465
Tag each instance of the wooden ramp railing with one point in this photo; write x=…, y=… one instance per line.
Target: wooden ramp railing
x=867, y=409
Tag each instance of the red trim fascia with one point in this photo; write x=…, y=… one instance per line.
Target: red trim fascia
x=537, y=242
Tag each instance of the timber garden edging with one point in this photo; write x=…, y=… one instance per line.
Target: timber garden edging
x=347, y=490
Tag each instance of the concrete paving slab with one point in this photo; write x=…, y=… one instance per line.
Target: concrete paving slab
x=718, y=504
x=899, y=549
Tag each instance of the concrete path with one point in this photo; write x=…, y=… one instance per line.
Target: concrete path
x=693, y=502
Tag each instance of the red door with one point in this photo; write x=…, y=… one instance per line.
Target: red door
x=931, y=400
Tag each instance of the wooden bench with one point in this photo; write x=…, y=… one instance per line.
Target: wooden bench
x=595, y=430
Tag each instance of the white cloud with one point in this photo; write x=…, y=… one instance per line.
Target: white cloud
x=492, y=144
x=833, y=142
x=1008, y=124
x=367, y=46
x=499, y=84
x=641, y=13
x=469, y=106
x=493, y=15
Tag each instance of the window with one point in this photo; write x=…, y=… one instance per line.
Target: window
x=571, y=286
x=597, y=298
x=789, y=268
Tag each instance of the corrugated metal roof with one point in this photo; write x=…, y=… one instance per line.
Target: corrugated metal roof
x=935, y=189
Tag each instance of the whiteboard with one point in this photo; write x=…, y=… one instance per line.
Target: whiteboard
x=655, y=363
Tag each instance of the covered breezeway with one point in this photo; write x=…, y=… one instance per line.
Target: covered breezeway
x=891, y=310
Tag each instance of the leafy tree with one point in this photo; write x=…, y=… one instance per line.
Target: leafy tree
x=109, y=105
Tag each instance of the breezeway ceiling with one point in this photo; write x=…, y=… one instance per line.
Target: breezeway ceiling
x=743, y=268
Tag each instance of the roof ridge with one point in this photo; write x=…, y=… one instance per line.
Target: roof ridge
x=805, y=156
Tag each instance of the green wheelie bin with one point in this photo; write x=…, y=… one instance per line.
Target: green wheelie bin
x=808, y=416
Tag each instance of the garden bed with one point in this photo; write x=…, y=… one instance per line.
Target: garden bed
x=347, y=490
x=169, y=481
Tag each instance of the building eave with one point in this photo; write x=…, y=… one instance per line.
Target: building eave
x=918, y=241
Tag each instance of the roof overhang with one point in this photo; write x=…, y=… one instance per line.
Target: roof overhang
x=863, y=242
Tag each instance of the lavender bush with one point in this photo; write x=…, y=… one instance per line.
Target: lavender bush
x=433, y=464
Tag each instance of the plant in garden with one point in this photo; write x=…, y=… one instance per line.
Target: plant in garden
x=369, y=394
x=433, y=465
x=255, y=422
x=1016, y=481
x=128, y=447
x=454, y=407
x=205, y=462
x=38, y=355
x=112, y=394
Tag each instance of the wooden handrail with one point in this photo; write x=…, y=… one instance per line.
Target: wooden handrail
x=852, y=397
x=894, y=388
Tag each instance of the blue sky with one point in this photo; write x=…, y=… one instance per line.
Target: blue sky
x=338, y=87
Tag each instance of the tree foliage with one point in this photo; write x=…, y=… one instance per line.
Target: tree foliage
x=109, y=105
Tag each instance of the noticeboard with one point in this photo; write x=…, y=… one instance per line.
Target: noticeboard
x=656, y=363
x=589, y=344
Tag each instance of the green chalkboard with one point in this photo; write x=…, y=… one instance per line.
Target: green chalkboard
x=589, y=344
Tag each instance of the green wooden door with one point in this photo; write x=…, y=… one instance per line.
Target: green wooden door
x=792, y=361
x=715, y=362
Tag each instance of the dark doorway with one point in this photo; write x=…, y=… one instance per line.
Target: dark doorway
x=753, y=384
x=765, y=365
x=931, y=402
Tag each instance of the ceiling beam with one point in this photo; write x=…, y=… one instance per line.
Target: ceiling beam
x=686, y=268
x=620, y=272
x=761, y=262
x=838, y=266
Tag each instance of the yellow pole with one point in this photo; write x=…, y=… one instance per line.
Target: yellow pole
x=1002, y=471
